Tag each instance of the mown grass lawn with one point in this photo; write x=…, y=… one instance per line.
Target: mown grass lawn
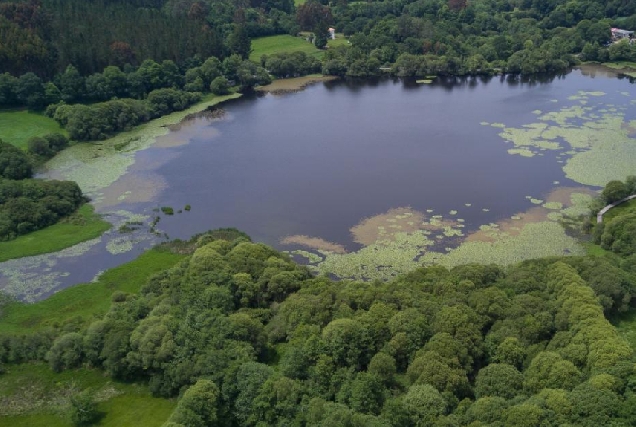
x=18, y=126
x=281, y=43
x=87, y=301
x=83, y=225
x=40, y=396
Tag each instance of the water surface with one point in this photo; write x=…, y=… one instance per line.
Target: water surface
x=318, y=162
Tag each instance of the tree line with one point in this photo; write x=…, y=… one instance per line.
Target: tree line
x=246, y=337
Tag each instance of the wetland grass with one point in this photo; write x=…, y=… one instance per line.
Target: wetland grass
x=35, y=396
x=84, y=225
x=86, y=301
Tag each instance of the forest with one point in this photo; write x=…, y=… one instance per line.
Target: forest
x=240, y=335
x=246, y=337
x=418, y=37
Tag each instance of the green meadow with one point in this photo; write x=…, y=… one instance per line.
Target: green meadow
x=84, y=302
x=32, y=396
x=285, y=43
x=84, y=225
x=18, y=126
x=282, y=43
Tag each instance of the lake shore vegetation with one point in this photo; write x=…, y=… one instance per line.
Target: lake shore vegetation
x=255, y=338
x=80, y=226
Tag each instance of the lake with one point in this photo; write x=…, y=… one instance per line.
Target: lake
x=369, y=177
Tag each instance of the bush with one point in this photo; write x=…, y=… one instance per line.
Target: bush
x=220, y=86
x=14, y=163
x=84, y=409
x=47, y=146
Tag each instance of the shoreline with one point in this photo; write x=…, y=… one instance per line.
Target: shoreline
x=293, y=84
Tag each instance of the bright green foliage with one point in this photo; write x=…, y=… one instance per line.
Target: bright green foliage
x=66, y=352
x=498, y=380
x=84, y=409
x=619, y=235
x=197, y=407
x=250, y=339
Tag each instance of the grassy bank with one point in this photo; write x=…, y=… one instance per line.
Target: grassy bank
x=622, y=209
x=96, y=165
x=18, y=126
x=84, y=225
x=84, y=302
x=32, y=395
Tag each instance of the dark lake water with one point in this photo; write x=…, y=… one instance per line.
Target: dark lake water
x=318, y=161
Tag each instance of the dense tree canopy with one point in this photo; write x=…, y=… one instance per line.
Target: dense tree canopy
x=249, y=338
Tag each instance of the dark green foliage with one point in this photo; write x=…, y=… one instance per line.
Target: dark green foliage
x=291, y=64
x=30, y=204
x=167, y=210
x=220, y=86
x=14, y=163
x=239, y=41
x=615, y=191
x=47, y=146
x=98, y=121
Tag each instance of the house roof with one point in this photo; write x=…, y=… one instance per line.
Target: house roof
x=621, y=32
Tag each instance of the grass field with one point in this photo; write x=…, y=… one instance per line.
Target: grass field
x=286, y=43
x=87, y=301
x=81, y=226
x=18, y=126
x=281, y=43
x=31, y=395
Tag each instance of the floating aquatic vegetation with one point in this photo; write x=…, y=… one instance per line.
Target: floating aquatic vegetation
x=381, y=260
x=119, y=245
x=595, y=139
x=95, y=166
x=536, y=201
x=533, y=241
x=537, y=112
x=30, y=278
x=553, y=205
x=377, y=227
x=468, y=204
x=524, y=152
x=314, y=243
x=424, y=81
x=498, y=125
x=453, y=212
